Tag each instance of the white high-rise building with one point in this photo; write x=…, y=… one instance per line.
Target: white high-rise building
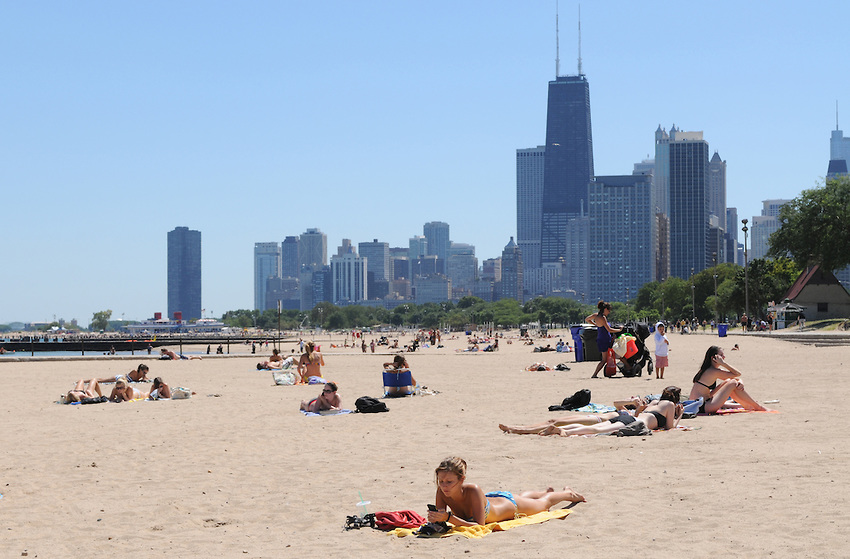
x=349, y=278
x=763, y=226
x=267, y=264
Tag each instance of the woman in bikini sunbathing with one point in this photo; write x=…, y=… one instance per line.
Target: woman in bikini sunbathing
x=636, y=403
x=717, y=381
x=465, y=504
x=139, y=374
x=123, y=392
x=83, y=389
x=659, y=414
x=327, y=400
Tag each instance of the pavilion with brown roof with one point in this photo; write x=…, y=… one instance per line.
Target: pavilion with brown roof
x=820, y=292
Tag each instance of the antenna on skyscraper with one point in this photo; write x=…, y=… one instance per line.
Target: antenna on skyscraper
x=836, y=114
x=579, y=39
x=557, y=46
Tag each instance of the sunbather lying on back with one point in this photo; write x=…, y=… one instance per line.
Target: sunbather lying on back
x=659, y=414
x=90, y=389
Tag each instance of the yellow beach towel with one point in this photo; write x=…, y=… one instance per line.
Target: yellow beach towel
x=481, y=531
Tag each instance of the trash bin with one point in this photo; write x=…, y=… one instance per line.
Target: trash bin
x=588, y=340
x=721, y=330
x=575, y=331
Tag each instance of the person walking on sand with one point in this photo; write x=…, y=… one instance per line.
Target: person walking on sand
x=604, y=340
x=662, y=346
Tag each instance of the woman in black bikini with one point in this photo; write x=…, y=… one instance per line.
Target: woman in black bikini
x=664, y=413
x=717, y=381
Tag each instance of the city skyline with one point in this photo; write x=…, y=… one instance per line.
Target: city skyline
x=222, y=118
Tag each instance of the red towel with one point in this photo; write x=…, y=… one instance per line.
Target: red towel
x=398, y=519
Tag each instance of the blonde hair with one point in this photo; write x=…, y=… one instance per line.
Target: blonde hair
x=453, y=465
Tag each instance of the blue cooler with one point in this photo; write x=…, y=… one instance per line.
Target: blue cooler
x=578, y=347
x=721, y=330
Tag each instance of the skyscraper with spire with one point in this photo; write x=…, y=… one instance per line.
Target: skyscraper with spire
x=568, y=162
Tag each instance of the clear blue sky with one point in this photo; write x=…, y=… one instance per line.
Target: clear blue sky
x=251, y=121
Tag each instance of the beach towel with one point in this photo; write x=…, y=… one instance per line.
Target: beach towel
x=325, y=412
x=595, y=408
x=398, y=519
x=730, y=411
x=481, y=531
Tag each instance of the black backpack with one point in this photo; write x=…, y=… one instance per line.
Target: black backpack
x=367, y=404
x=577, y=400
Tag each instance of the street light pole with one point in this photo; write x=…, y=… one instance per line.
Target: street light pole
x=693, y=296
x=746, y=271
x=716, y=315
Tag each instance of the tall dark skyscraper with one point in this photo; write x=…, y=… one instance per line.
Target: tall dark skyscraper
x=184, y=273
x=568, y=165
x=689, y=205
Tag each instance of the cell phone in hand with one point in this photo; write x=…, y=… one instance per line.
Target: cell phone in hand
x=432, y=508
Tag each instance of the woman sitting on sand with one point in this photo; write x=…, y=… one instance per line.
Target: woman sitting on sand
x=659, y=414
x=398, y=365
x=327, y=400
x=83, y=389
x=465, y=504
x=717, y=381
x=310, y=364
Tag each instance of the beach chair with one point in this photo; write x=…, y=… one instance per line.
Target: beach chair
x=398, y=383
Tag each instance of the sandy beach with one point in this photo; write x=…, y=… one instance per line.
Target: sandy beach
x=238, y=471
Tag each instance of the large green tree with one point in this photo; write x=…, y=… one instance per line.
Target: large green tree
x=813, y=228
x=100, y=320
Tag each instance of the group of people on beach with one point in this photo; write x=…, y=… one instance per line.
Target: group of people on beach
x=717, y=385
x=123, y=391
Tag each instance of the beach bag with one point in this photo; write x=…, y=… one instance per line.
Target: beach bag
x=577, y=400
x=367, y=404
x=283, y=378
x=610, y=364
x=620, y=346
x=180, y=393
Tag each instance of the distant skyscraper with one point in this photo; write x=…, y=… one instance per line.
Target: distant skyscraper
x=439, y=242
x=462, y=267
x=491, y=269
x=733, y=247
x=290, y=263
x=717, y=189
x=313, y=249
x=512, y=269
x=266, y=265
x=621, y=240
x=378, y=267
x=349, y=278
x=418, y=247
x=568, y=163
x=839, y=151
x=529, y=203
x=686, y=174
x=378, y=258
x=184, y=273
x=763, y=226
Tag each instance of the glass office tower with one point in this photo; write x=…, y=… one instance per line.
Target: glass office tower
x=568, y=165
x=184, y=273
